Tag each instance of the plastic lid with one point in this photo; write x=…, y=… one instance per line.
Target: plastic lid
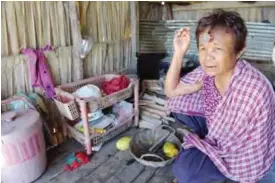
x=8, y=116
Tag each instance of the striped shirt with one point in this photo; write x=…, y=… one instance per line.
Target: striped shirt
x=241, y=129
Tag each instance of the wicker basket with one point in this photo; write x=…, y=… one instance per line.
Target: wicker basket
x=67, y=103
x=100, y=138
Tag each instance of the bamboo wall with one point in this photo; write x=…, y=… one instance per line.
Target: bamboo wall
x=110, y=25
x=15, y=75
x=34, y=24
x=60, y=24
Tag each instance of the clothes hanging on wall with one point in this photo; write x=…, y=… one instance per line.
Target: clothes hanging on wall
x=39, y=71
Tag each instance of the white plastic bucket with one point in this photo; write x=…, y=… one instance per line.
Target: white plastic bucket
x=23, y=152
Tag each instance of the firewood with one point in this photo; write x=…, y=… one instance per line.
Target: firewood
x=143, y=112
x=157, y=107
x=150, y=119
x=154, y=111
x=155, y=99
x=169, y=119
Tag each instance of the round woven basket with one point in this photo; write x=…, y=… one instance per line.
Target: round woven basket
x=141, y=146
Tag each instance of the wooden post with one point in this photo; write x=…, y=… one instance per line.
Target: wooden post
x=136, y=100
x=134, y=32
x=76, y=38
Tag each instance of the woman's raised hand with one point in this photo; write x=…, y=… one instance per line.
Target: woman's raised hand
x=182, y=41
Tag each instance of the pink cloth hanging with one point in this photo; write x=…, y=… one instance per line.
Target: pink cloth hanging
x=39, y=71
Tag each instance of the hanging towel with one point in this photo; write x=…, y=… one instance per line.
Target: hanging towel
x=39, y=71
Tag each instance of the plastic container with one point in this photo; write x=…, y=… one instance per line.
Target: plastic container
x=23, y=147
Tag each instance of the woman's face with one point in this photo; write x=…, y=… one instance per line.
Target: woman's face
x=216, y=52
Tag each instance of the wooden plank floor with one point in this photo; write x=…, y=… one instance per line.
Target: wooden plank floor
x=106, y=166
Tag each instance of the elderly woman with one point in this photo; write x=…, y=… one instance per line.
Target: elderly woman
x=228, y=104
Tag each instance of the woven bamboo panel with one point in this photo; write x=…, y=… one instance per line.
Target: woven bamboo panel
x=60, y=24
x=112, y=40
x=15, y=76
x=36, y=24
x=33, y=24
